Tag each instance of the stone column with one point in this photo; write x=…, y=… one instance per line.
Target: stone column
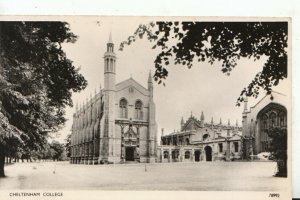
x=193, y=155
x=228, y=150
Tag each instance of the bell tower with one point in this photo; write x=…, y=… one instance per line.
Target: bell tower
x=108, y=150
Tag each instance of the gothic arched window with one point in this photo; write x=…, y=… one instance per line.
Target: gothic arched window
x=138, y=110
x=123, y=108
x=282, y=120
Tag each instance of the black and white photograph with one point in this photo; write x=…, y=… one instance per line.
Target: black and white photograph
x=120, y=104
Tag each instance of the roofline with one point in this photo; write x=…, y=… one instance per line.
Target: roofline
x=263, y=99
x=133, y=80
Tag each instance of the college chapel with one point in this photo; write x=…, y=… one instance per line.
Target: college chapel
x=117, y=124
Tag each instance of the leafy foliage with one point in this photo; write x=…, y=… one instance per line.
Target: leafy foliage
x=278, y=148
x=36, y=82
x=225, y=42
x=58, y=149
x=278, y=143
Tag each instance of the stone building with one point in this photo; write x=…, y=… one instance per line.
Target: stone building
x=267, y=113
x=199, y=141
x=118, y=123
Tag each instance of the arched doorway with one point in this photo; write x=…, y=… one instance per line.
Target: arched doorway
x=208, y=153
x=175, y=155
x=197, y=156
x=129, y=153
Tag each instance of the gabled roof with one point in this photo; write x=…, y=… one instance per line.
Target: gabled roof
x=191, y=124
x=131, y=82
x=274, y=94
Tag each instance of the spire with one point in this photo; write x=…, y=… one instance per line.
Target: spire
x=150, y=77
x=181, y=124
x=150, y=85
x=228, y=122
x=220, y=120
x=110, y=39
x=202, y=116
x=236, y=123
x=110, y=45
x=212, y=120
x=100, y=90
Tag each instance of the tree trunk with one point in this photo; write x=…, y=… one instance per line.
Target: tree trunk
x=282, y=168
x=2, y=162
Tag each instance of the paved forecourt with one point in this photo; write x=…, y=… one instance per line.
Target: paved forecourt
x=204, y=176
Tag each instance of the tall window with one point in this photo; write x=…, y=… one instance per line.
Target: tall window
x=187, y=141
x=220, y=147
x=180, y=141
x=123, y=108
x=236, y=147
x=138, y=109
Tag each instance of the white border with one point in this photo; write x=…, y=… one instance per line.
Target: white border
x=268, y=8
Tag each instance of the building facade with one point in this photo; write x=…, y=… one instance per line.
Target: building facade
x=267, y=113
x=200, y=141
x=118, y=123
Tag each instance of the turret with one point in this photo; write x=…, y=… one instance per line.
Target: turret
x=202, y=119
x=152, y=128
x=150, y=85
x=181, y=124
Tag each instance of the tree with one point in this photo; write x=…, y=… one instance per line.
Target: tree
x=225, y=42
x=68, y=145
x=58, y=149
x=278, y=149
x=36, y=83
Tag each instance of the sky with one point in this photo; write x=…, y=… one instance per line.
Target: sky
x=187, y=92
